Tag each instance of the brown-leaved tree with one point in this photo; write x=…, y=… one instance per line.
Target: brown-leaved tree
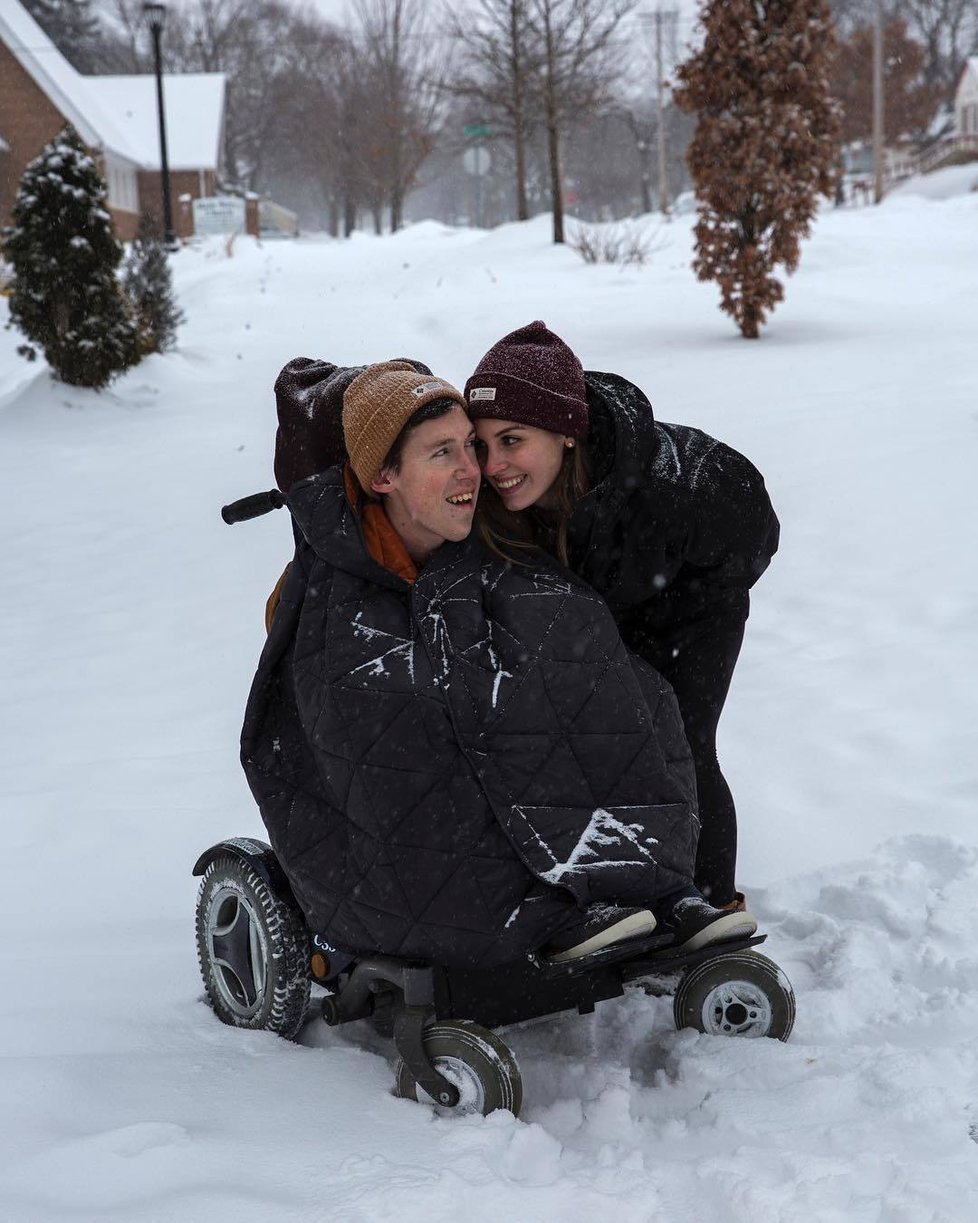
x=765, y=146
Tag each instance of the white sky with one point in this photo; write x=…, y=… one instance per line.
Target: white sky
x=332, y=10
x=339, y=10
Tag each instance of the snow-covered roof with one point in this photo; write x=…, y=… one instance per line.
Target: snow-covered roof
x=118, y=113
x=193, y=103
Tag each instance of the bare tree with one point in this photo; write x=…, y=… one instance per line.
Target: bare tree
x=580, y=62
x=126, y=43
x=612, y=157
x=72, y=26
x=500, y=61
x=403, y=95
x=314, y=104
x=949, y=30
x=642, y=122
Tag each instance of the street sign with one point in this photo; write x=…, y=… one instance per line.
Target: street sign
x=476, y=131
x=477, y=160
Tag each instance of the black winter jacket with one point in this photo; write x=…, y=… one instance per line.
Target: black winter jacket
x=453, y=770
x=674, y=518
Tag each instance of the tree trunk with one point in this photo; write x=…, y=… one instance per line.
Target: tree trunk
x=553, y=136
x=556, y=189
x=519, y=133
x=646, y=181
x=397, y=109
x=349, y=216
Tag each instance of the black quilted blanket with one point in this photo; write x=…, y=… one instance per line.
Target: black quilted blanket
x=453, y=770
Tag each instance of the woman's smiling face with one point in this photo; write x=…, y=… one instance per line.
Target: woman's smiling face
x=521, y=462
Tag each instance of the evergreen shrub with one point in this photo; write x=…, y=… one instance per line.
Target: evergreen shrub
x=66, y=298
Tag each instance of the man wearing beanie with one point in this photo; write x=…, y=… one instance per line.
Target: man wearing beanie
x=455, y=758
x=411, y=444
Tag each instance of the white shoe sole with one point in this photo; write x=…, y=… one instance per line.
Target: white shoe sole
x=632, y=926
x=730, y=926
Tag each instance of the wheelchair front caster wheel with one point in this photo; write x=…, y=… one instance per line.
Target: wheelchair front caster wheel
x=742, y=993
x=475, y=1061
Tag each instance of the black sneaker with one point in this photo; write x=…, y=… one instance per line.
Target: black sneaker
x=601, y=926
x=695, y=923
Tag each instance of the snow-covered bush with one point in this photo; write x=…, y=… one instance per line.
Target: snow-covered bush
x=148, y=285
x=66, y=298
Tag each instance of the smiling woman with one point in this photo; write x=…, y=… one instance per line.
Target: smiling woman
x=526, y=466
x=669, y=525
x=521, y=462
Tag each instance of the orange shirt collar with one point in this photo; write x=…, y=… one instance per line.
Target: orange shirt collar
x=383, y=542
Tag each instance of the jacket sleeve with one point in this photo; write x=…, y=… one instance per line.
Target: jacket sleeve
x=735, y=529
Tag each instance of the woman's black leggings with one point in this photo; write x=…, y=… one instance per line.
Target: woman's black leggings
x=697, y=654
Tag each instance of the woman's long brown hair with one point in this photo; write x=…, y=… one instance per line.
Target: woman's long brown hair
x=511, y=534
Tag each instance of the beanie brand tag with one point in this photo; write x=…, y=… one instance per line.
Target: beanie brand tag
x=482, y=392
x=425, y=387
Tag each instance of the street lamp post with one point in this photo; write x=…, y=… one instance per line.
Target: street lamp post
x=156, y=15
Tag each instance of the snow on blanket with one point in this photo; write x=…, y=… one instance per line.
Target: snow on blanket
x=603, y=829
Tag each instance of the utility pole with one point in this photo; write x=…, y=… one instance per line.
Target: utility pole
x=665, y=25
x=878, y=168
x=661, y=105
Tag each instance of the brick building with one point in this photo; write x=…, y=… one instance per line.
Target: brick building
x=115, y=116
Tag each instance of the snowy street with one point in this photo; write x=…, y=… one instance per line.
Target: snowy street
x=130, y=626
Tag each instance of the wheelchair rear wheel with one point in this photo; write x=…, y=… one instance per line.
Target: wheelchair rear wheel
x=251, y=946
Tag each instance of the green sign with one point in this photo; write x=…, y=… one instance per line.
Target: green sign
x=476, y=131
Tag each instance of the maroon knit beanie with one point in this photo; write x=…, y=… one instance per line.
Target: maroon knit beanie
x=530, y=377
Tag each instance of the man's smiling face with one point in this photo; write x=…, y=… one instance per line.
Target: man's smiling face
x=432, y=496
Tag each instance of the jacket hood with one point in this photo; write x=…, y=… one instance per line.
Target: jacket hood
x=622, y=442
x=323, y=516
x=309, y=402
x=333, y=528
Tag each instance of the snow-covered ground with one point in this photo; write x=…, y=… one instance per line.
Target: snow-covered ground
x=130, y=623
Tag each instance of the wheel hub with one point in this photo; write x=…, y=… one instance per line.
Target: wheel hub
x=471, y=1092
x=236, y=946
x=737, y=1008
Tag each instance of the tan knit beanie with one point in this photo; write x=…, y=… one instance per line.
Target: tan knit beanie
x=378, y=404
